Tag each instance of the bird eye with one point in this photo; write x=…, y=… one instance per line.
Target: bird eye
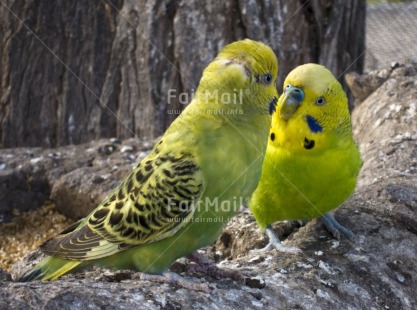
x=320, y=101
x=267, y=78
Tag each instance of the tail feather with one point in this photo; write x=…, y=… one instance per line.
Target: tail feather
x=31, y=275
x=50, y=268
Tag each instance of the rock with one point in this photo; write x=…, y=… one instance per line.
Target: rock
x=406, y=194
x=21, y=190
x=4, y=276
x=126, y=149
x=89, y=184
x=386, y=129
x=72, y=176
x=79, y=192
x=255, y=282
x=377, y=270
x=363, y=85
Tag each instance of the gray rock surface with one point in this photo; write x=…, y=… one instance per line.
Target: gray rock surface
x=20, y=192
x=71, y=176
x=375, y=271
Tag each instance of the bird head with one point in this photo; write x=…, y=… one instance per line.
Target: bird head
x=241, y=77
x=312, y=111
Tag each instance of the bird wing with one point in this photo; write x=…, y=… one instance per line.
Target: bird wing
x=154, y=202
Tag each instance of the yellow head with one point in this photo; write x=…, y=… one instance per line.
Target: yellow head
x=241, y=77
x=312, y=113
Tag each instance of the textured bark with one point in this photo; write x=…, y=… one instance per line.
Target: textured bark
x=73, y=71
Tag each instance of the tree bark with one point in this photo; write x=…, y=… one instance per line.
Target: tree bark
x=73, y=71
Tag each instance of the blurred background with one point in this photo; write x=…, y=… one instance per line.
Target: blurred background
x=74, y=71
x=391, y=33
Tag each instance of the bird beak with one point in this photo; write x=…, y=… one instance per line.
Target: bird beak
x=293, y=96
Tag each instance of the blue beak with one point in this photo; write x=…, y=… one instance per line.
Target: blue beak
x=293, y=97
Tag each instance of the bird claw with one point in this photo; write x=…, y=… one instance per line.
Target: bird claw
x=266, y=248
x=275, y=243
x=333, y=226
x=279, y=247
x=287, y=248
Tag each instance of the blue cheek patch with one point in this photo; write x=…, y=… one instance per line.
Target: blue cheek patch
x=273, y=105
x=312, y=123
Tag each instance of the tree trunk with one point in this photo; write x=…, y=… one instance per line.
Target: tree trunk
x=73, y=71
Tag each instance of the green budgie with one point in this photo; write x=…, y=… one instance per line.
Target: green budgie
x=179, y=197
x=312, y=162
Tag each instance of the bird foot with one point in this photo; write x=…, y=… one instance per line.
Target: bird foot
x=174, y=279
x=203, y=265
x=279, y=247
x=333, y=226
x=275, y=243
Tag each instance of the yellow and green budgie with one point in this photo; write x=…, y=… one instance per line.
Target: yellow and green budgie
x=312, y=162
x=178, y=198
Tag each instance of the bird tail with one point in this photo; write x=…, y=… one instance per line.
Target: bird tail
x=50, y=268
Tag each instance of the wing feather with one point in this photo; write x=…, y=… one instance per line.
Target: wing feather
x=154, y=202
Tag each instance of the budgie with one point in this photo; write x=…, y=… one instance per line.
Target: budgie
x=312, y=162
x=180, y=195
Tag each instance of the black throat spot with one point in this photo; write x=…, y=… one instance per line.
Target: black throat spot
x=273, y=105
x=308, y=144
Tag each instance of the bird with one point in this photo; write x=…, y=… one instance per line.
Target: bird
x=312, y=161
x=178, y=198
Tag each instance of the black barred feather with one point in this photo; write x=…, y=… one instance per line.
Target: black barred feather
x=148, y=206
x=162, y=193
